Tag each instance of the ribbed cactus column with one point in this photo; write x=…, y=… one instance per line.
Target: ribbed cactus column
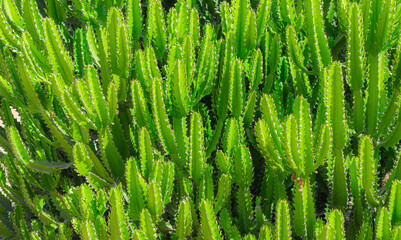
x=334, y=100
x=356, y=64
x=380, y=19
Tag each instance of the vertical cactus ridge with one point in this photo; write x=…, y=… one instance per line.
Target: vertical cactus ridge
x=60, y=60
x=292, y=148
x=97, y=95
x=223, y=192
x=334, y=99
x=383, y=224
x=368, y=165
x=209, y=228
x=118, y=227
x=156, y=27
x=292, y=42
x=240, y=8
x=335, y=225
x=304, y=134
x=164, y=128
x=134, y=20
x=197, y=149
x=236, y=89
x=262, y=17
x=155, y=200
x=282, y=227
x=147, y=226
x=287, y=11
x=184, y=220
x=394, y=137
x=394, y=206
x=373, y=93
x=267, y=145
x=179, y=89
x=312, y=17
x=7, y=33
x=339, y=195
x=32, y=18
x=356, y=64
x=355, y=189
x=270, y=116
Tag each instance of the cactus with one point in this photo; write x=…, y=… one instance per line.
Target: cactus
x=334, y=99
x=209, y=119
x=282, y=227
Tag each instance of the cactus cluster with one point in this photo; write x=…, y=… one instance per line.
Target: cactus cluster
x=188, y=119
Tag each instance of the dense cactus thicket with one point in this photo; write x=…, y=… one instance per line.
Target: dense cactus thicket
x=200, y=119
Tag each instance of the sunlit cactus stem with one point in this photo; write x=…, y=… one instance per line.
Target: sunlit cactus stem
x=356, y=64
x=391, y=112
x=334, y=98
x=373, y=98
x=358, y=111
x=339, y=194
